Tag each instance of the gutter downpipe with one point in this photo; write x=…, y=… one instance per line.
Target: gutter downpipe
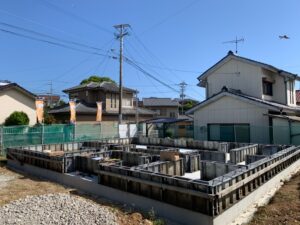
x=285, y=85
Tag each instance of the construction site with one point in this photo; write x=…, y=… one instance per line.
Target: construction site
x=183, y=180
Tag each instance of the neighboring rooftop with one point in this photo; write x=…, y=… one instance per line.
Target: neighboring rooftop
x=85, y=108
x=153, y=101
x=231, y=55
x=238, y=94
x=105, y=86
x=7, y=85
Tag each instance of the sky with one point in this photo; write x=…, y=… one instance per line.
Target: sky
x=172, y=40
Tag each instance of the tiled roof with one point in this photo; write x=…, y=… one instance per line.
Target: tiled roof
x=84, y=108
x=165, y=120
x=106, y=86
x=231, y=55
x=147, y=102
x=271, y=104
x=5, y=86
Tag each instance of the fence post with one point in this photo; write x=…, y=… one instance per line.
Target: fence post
x=1, y=140
x=74, y=132
x=43, y=134
x=100, y=134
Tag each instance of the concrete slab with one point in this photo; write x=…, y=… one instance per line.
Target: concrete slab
x=193, y=176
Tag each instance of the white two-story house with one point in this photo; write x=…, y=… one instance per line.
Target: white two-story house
x=247, y=101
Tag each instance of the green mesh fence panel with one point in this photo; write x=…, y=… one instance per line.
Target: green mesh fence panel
x=59, y=133
x=21, y=135
x=86, y=132
x=109, y=130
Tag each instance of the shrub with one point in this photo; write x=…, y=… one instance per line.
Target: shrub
x=17, y=118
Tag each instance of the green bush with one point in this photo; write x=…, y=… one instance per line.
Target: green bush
x=17, y=118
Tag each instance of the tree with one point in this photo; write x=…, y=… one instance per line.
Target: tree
x=188, y=104
x=96, y=79
x=48, y=118
x=17, y=118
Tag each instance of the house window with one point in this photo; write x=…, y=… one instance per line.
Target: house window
x=127, y=102
x=267, y=88
x=172, y=114
x=229, y=132
x=113, y=100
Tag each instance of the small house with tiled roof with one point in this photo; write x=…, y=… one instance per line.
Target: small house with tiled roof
x=165, y=107
x=13, y=98
x=86, y=96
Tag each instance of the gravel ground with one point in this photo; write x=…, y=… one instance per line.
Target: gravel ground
x=55, y=209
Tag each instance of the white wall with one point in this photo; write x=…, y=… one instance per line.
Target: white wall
x=230, y=110
x=237, y=75
x=247, y=77
x=13, y=100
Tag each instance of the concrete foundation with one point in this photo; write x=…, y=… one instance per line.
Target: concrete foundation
x=155, y=175
x=172, y=213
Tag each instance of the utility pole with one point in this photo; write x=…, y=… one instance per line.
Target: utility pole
x=50, y=93
x=122, y=31
x=136, y=107
x=182, y=95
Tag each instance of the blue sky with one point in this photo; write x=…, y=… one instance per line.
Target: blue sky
x=175, y=40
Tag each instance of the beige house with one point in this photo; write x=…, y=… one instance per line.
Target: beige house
x=15, y=98
x=247, y=101
x=87, y=95
x=164, y=107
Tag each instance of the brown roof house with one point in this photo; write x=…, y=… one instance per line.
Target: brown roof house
x=164, y=107
x=87, y=95
x=13, y=97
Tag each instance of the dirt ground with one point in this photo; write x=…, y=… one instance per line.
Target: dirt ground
x=284, y=207
x=15, y=186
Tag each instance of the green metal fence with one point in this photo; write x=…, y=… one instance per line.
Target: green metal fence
x=58, y=133
x=242, y=133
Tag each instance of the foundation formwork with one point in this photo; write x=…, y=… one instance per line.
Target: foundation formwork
x=126, y=167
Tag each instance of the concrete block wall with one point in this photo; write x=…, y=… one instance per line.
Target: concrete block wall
x=253, y=158
x=188, y=143
x=211, y=170
x=239, y=183
x=213, y=156
x=173, y=168
x=193, y=163
x=239, y=154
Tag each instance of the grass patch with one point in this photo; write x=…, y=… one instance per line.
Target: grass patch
x=156, y=221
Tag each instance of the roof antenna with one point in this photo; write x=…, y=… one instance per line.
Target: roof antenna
x=236, y=42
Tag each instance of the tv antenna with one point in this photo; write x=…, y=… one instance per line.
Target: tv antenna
x=236, y=42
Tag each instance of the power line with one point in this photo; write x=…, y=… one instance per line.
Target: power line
x=170, y=16
x=158, y=60
x=130, y=62
x=74, y=16
x=37, y=23
x=52, y=42
x=49, y=36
